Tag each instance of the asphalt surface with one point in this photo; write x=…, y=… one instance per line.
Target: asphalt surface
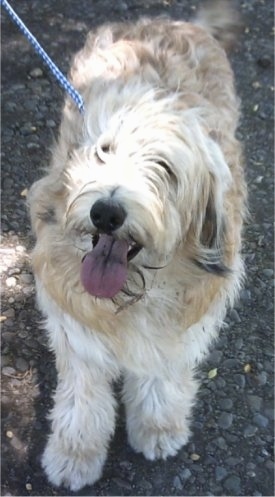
x=230, y=452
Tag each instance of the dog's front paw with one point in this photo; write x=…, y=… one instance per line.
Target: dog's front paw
x=157, y=443
x=73, y=470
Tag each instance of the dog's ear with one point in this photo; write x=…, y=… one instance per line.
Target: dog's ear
x=44, y=199
x=210, y=252
x=210, y=240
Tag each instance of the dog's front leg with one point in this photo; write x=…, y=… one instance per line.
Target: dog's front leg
x=158, y=412
x=83, y=419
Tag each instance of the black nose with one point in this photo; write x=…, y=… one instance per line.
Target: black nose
x=107, y=215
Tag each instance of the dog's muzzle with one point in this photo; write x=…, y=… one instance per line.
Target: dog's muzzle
x=104, y=269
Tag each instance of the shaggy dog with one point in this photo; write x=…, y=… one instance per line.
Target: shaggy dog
x=138, y=226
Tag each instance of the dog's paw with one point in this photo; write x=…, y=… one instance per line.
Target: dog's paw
x=158, y=443
x=73, y=470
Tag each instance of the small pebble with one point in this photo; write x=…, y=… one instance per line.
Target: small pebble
x=232, y=484
x=10, y=106
x=225, y=420
x=269, y=412
x=122, y=483
x=33, y=146
x=212, y=373
x=220, y=382
x=240, y=380
x=20, y=248
x=8, y=336
x=261, y=378
x=256, y=85
x=235, y=316
x=13, y=271
x=226, y=404
x=260, y=420
x=247, y=368
x=8, y=371
x=28, y=290
x=36, y=72
x=232, y=364
x=264, y=61
x=185, y=474
x=270, y=465
x=17, y=87
x=221, y=443
x=126, y=465
x=177, y=483
x=9, y=313
x=21, y=364
x=268, y=273
x=215, y=357
x=26, y=278
x=11, y=282
x=50, y=123
x=195, y=457
x=239, y=343
x=232, y=461
x=250, y=431
x=145, y=485
x=254, y=402
x=17, y=444
x=245, y=295
x=5, y=361
x=220, y=473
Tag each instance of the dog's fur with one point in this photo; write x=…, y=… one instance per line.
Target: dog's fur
x=158, y=139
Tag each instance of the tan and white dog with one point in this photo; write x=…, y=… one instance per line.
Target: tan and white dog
x=138, y=226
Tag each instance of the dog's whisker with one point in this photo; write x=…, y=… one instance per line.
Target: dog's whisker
x=153, y=267
x=79, y=248
x=125, y=305
x=80, y=194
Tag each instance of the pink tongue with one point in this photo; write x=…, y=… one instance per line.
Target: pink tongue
x=104, y=269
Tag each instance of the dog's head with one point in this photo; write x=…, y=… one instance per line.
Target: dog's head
x=144, y=184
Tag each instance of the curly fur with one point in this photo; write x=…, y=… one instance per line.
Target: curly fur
x=158, y=136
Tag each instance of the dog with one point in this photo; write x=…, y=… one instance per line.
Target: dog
x=138, y=226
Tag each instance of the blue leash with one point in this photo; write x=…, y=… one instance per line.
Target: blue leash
x=48, y=61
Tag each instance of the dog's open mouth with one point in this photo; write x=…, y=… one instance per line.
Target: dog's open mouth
x=104, y=269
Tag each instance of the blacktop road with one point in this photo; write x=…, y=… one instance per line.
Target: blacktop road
x=230, y=452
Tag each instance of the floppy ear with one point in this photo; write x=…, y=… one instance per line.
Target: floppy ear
x=211, y=239
x=210, y=253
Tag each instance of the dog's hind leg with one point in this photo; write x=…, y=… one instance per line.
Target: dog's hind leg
x=158, y=412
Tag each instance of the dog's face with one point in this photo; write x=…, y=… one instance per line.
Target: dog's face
x=145, y=182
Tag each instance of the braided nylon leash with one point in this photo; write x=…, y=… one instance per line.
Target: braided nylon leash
x=48, y=61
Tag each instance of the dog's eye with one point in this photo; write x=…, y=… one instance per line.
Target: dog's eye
x=103, y=149
x=106, y=147
x=102, y=152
